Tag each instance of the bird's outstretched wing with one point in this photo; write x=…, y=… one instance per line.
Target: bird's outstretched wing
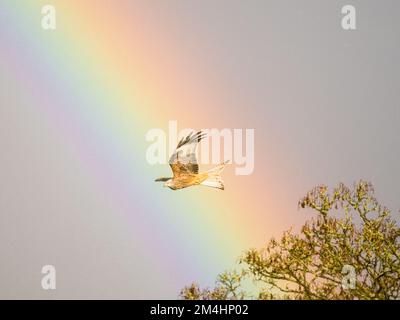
x=184, y=161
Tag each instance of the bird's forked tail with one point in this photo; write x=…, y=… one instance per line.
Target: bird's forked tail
x=214, y=179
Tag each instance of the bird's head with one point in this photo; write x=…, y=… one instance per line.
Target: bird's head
x=169, y=183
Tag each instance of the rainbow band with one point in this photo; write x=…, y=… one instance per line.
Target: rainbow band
x=98, y=80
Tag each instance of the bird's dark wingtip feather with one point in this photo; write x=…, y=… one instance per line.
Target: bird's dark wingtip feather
x=200, y=135
x=192, y=137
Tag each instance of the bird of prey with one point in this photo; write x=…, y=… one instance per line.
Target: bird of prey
x=185, y=168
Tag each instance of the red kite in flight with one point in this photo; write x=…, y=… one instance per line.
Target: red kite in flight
x=185, y=168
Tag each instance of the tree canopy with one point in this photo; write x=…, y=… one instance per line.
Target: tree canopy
x=349, y=250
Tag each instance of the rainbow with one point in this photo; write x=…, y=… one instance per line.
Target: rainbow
x=102, y=79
